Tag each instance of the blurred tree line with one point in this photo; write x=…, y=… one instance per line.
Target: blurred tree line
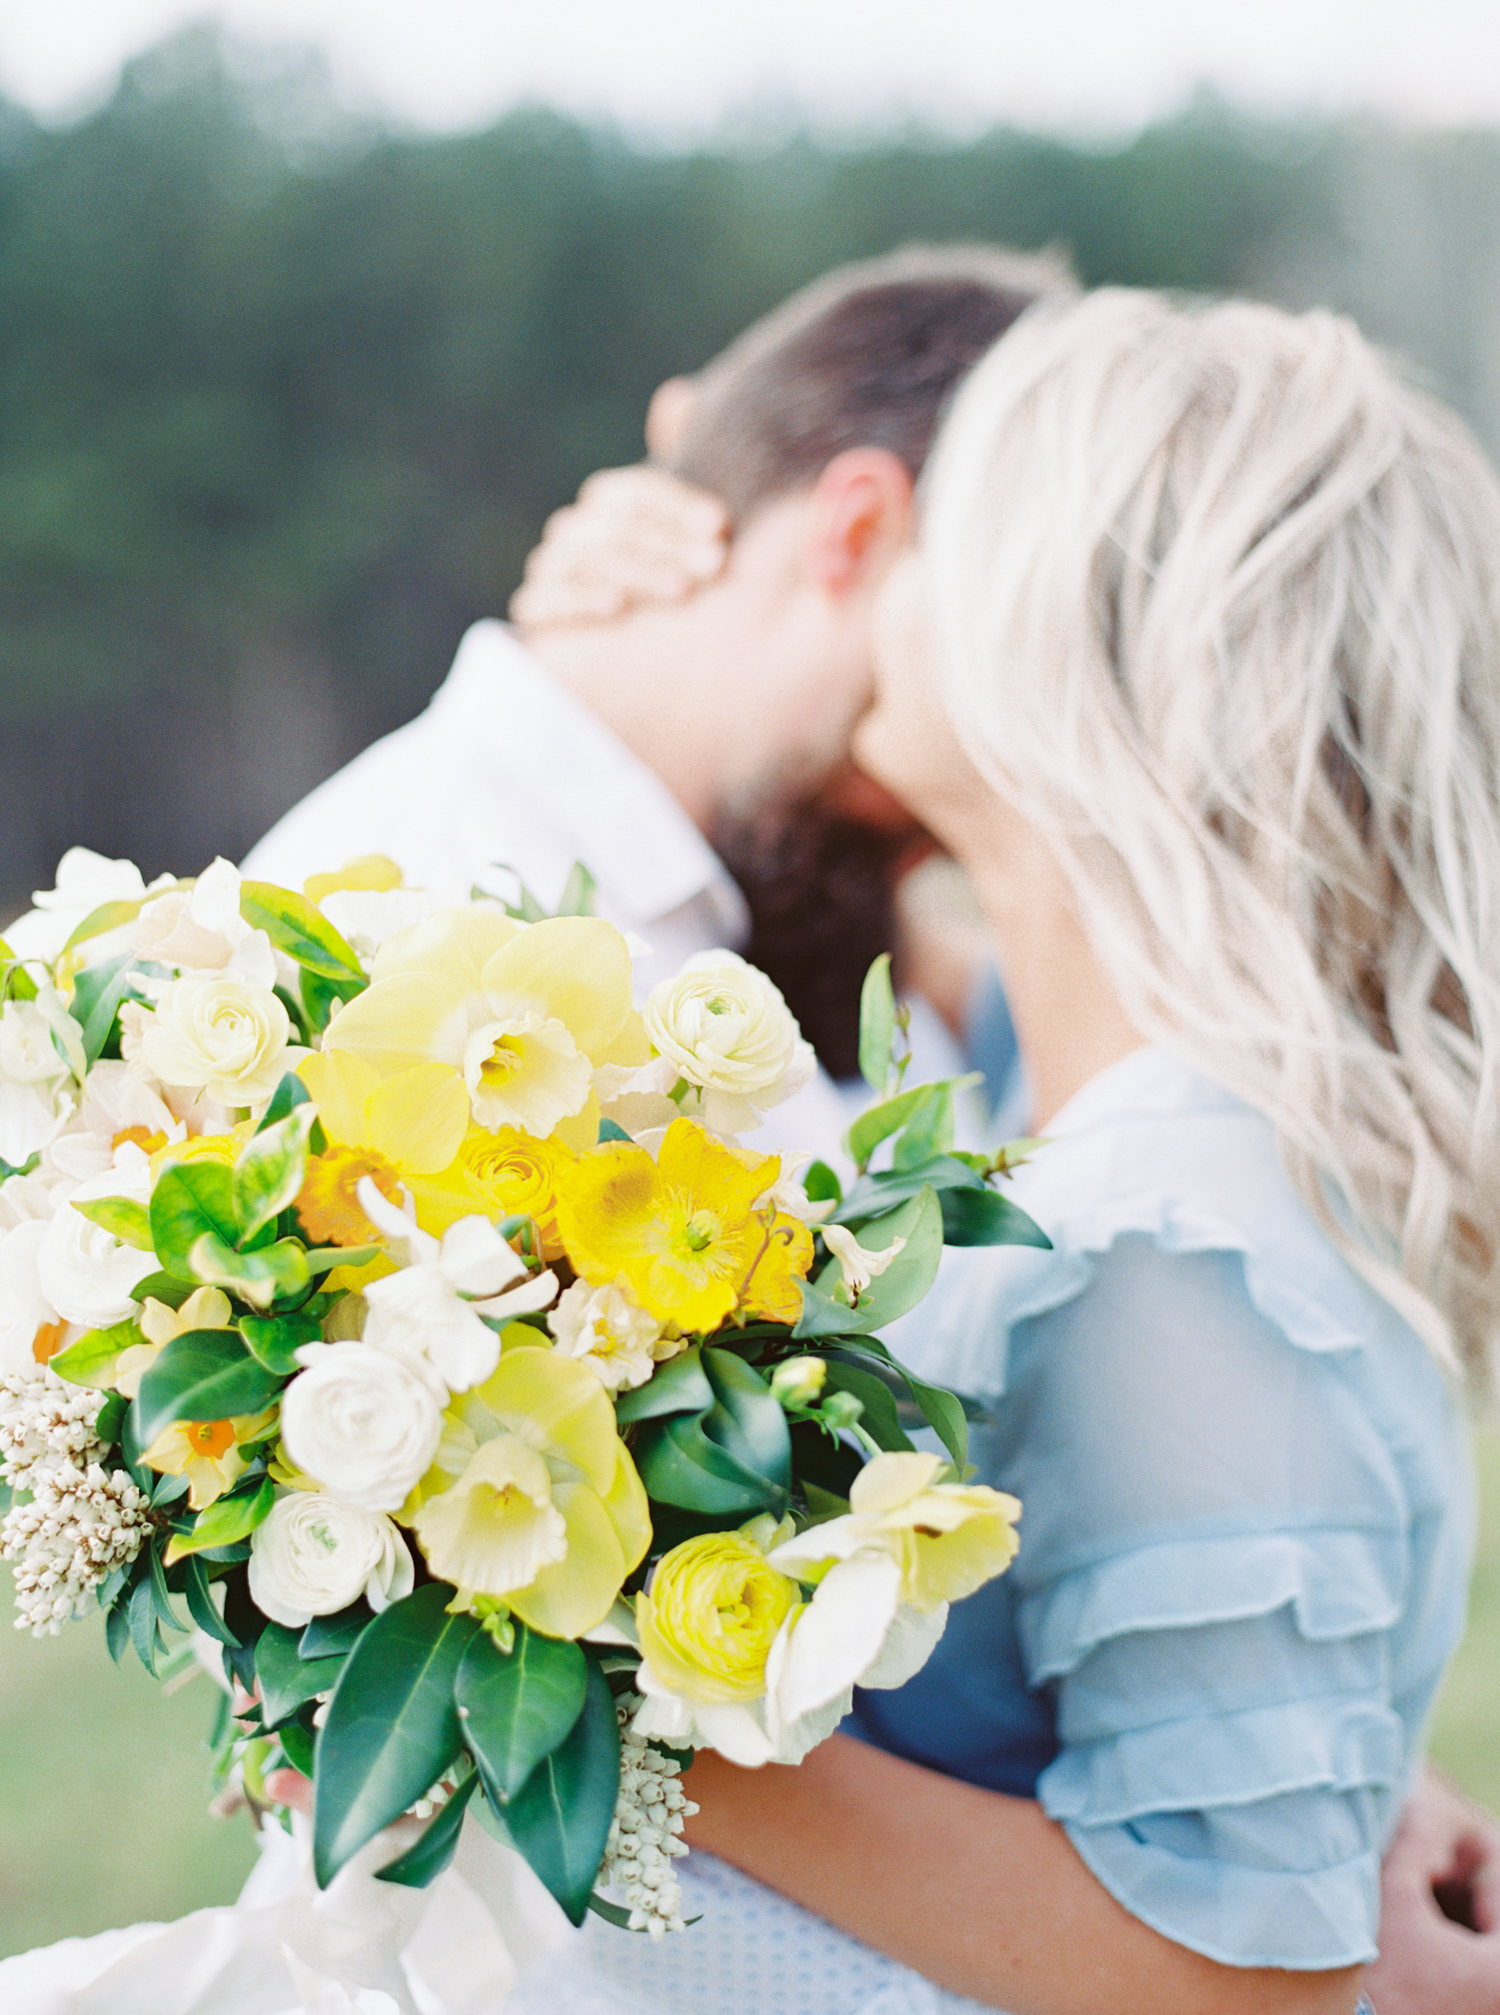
x=284, y=398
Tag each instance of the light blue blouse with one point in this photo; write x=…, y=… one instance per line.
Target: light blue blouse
x=1244, y=1558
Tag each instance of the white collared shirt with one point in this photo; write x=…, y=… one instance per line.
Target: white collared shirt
x=505, y=769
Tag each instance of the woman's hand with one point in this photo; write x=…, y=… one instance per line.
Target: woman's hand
x=1444, y=1847
x=635, y=537
x=981, y=1893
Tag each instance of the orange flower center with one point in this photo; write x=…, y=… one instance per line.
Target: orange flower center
x=328, y=1204
x=211, y=1437
x=47, y=1341
x=143, y=1137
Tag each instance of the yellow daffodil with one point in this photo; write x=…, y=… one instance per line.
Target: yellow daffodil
x=947, y=1538
x=503, y=1174
x=207, y=1453
x=368, y=871
x=534, y=1497
x=205, y=1308
x=388, y=1128
x=684, y=1232
x=521, y=1012
x=712, y=1614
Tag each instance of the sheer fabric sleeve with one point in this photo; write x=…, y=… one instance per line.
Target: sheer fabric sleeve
x=1215, y=1548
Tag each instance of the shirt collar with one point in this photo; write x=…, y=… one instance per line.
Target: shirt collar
x=541, y=744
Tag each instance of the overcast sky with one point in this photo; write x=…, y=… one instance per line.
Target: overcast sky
x=679, y=66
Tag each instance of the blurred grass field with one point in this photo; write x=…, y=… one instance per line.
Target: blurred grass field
x=104, y=1780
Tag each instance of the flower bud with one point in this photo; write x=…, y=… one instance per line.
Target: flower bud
x=797, y=1381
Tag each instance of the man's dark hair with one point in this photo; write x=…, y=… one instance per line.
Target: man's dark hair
x=868, y=356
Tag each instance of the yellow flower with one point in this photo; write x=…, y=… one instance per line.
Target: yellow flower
x=368, y=871
x=947, y=1538
x=503, y=1174
x=389, y=1129
x=534, y=1497
x=712, y=1614
x=683, y=1231
x=205, y=1308
x=207, y=1452
x=224, y=1147
x=521, y=1012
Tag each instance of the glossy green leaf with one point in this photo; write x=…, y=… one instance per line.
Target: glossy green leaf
x=610, y=1130
x=274, y=1340
x=680, y=1465
x=206, y=1374
x=517, y=1706
x=747, y=1418
x=875, y=1194
x=392, y=1727
x=942, y=1409
x=879, y=1122
x=678, y=1386
x=270, y=1170
x=821, y=1184
x=929, y=1131
x=97, y=994
x=286, y=1678
x=424, y=1861
x=261, y=1277
x=879, y=1418
x=560, y=1817
x=227, y=1519
x=121, y=1216
x=321, y=998
x=191, y=1198
x=326, y=1636
x=877, y=1026
x=300, y=929
x=92, y=1359
x=906, y=1279
x=982, y=1217
x=201, y=1606
x=298, y=1747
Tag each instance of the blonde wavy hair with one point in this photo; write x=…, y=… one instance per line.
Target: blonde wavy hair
x=1219, y=606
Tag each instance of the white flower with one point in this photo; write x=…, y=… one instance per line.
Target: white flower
x=220, y=1036
x=45, y=1424
x=787, y=1195
x=361, y=1422
x=88, y=1275
x=24, y=1308
x=858, y=1264
x=650, y=1809
x=604, y=1328
x=201, y=930
x=428, y=1313
x=365, y=918
x=116, y=1102
x=726, y=1029
x=315, y=1554
x=85, y=882
x=34, y=1098
x=79, y=1525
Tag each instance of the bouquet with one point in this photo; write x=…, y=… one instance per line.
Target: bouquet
x=387, y=1302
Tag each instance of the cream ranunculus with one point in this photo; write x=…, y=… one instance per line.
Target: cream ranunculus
x=315, y=1554
x=609, y=1331
x=85, y=1273
x=361, y=1423
x=221, y=1036
x=725, y=1028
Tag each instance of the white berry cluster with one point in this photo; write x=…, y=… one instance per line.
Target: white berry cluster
x=649, y=1814
x=80, y=1521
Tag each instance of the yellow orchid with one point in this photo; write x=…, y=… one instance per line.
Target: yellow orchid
x=207, y=1453
x=503, y=1174
x=534, y=1497
x=388, y=1128
x=686, y=1232
x=522, y=1012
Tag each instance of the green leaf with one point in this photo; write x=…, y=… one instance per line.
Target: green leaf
x=324, y=1258
x=577, y=899
x=163, y=1287
x=903, y=1284
x=92, y=1359
x=298, y=1747
x=560, y=1817
x=287, y=1679
x=942, y=1409
x=610, y=1130
x=328, y=1636
x=392, y=1727
x=117, y=1629
x=227, y=1519
x=270, y=1171
x=121, y=1217
x=300, y=929
x=97, y=994
x=879, y=1122
x=201, y=1607
x=206, y=1374
x=678, y=1386
x=517, y=1707
x=820, y=1183
x=166, y=1615
x=260, y=1277
x=110, y=1419
x=190, y=1199
x=929, y=1131
x=274, y=1340
x=879, y=1418
x=424, y=1861
x=877, y=1027
x=680, y=1465
x=109, y=916
x=747, y=1419
x=290, y=1093
x=981, y=1217
x=874, y=1194
x=320, y=997
x=526, y=909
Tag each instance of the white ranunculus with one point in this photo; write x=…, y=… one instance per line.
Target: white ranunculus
x=314, y=1554
x=361, y=1422
x=220, y=1036
x=201, y=930
x=613, y=1335
x=726, y=1029
x=86, y=1273
x=85, y=882
x=24, y=1308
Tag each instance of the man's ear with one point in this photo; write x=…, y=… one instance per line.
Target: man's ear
x=860, y=517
